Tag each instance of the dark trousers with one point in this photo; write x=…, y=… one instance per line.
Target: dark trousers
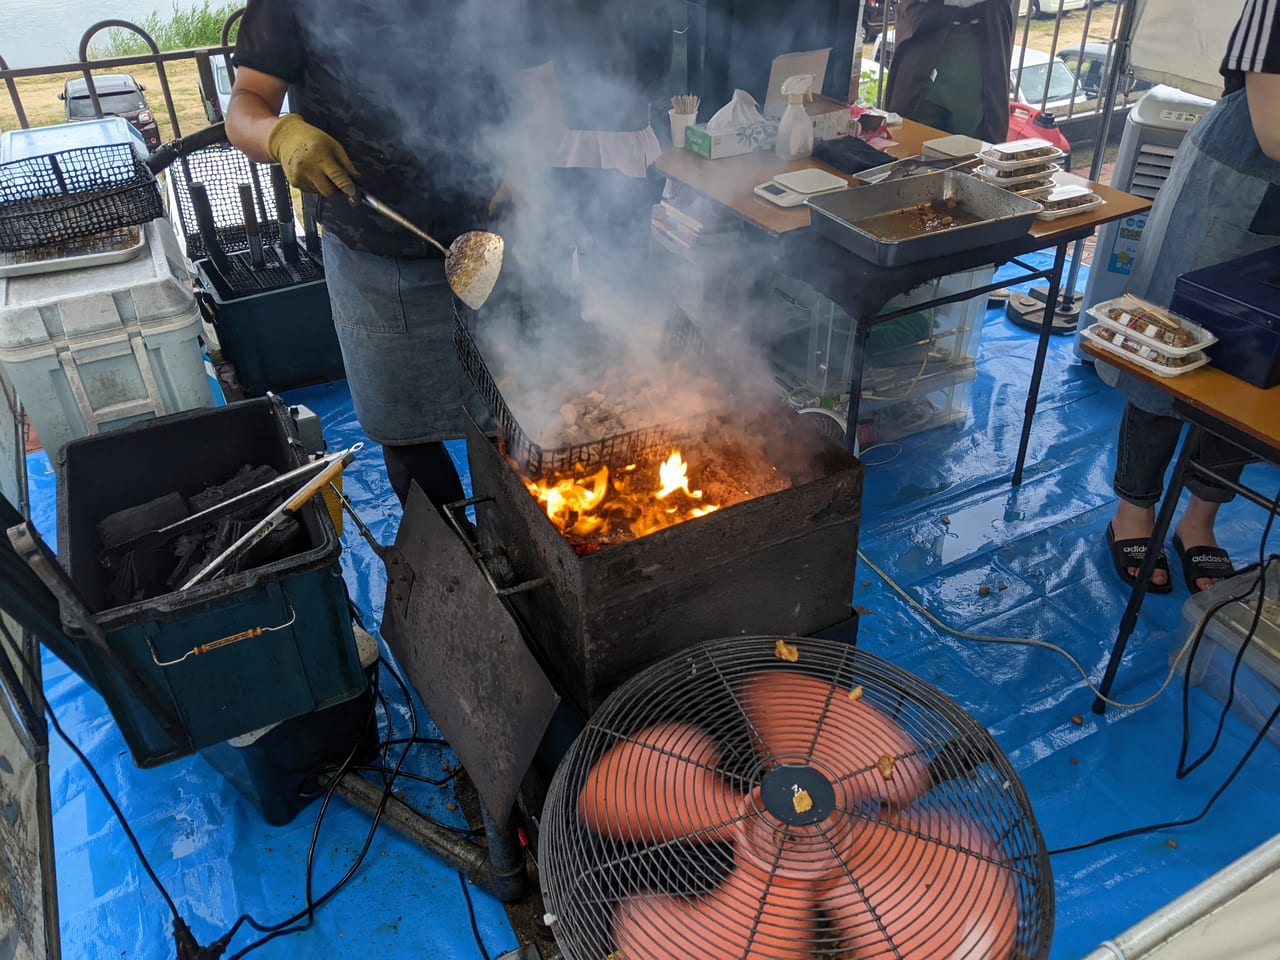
x=1146, y=447
x=427, y=464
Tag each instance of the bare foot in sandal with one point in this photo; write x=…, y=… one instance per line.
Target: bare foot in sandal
x=1136, y=523
x=1194, y=533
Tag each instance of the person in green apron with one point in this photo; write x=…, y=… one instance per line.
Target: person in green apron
x=950, y=66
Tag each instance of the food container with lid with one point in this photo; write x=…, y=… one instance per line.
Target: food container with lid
x=1139, y=320
x=1020, y=153
x=1068, y=200
x=1007, y=178
x=1135, y=351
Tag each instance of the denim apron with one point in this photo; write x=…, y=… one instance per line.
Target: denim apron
x=394, y=319
x=1221, y=202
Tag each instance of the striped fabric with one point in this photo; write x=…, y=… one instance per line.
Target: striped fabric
x=1255, y=43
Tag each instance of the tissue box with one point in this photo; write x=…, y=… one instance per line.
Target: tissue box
x=831, y=118
x=747, y=138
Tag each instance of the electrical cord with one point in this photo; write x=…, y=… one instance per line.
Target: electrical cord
x=1028, y=642
x=1263, y=731
x=471, y=912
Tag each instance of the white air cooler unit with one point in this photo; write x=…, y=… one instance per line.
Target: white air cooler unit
x=1152, y=132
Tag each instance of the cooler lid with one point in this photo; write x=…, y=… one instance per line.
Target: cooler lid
x=1246, y=289
x=38, y=141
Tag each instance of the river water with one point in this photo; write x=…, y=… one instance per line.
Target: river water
x=39, y=32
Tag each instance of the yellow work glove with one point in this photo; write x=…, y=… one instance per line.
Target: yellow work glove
x=313, y=161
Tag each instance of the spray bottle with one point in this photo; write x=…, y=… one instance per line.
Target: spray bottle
x=795, y=131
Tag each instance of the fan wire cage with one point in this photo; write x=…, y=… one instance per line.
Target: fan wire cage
x=791, y=800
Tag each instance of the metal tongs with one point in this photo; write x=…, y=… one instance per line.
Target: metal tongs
x=264, y=527
x=471, y=263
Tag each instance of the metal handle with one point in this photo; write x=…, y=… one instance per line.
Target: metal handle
x=374, y=203
x=209, y=228
x=284, y=215
x=251, y=634
x=451, y=513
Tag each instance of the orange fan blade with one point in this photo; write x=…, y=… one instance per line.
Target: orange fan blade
x=802, y=719
x=661, y=784
x=748, y=917
x=922, y=887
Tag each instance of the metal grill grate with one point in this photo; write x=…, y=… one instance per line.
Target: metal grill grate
x=536, y=461
x=60, y=197
x=222, y=168
x=733, y=802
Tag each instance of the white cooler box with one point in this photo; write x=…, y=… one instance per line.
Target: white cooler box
x=98, y=347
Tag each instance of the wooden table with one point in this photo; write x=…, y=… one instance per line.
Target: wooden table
x=1212, y=401
x=862, y=288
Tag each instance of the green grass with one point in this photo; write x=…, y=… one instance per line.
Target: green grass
x=180, y=30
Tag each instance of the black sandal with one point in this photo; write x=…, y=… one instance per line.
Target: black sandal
x=1131, y=553
x=1203, y=563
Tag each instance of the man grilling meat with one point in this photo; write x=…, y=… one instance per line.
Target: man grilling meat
x=402, y=99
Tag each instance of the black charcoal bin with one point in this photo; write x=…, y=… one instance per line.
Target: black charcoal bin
x=304, y=660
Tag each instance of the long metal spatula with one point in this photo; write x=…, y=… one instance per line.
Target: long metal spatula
x=471, y=263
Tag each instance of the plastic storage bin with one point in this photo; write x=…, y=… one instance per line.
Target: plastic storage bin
x=276, y=339
x=104, y=346
x=934, y=400
x=277, y=769
x=1257, y=684
x=307, y=663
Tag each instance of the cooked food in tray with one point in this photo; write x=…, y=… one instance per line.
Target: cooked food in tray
x=1159, y=328
x=1067, y=198
x=918, y=220
x=1035, y=189
x=1017, y=173
x=1020, y=151
x=1133, y=345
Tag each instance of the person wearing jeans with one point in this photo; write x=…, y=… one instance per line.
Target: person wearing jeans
x=1221, y=202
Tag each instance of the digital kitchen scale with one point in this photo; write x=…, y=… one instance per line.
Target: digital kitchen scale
x=794, y=188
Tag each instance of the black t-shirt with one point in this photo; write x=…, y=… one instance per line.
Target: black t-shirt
x=1255, y=43
x=415, y=90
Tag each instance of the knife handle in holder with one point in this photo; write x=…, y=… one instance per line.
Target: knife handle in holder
x=252, y=229
x=284, y=215
x=209, y=231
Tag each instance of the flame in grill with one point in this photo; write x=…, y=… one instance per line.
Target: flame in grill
x=603, y=503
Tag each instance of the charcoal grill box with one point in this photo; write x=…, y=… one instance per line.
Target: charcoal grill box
x=308, y=664
x=276, y=339
x=1239, y=301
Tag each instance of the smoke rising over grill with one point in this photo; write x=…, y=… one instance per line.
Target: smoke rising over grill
x=466, y=92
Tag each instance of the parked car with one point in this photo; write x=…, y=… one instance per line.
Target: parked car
x=1091, y=62
x=1049, y=8
x=119, y=95
x=873, y=16
x=220, y=94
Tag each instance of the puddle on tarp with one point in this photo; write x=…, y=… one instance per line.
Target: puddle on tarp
x=1043, y=543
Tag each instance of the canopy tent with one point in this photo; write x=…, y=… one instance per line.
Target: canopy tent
x=1182, y=42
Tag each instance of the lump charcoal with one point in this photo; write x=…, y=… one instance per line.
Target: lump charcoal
x=135, y=521
x=245, y=479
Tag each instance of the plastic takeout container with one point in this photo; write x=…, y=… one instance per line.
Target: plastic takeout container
x=1201, y=337
x=1143, y=355
x=1020, y=153
x=1057, y=203
x=1007, y=178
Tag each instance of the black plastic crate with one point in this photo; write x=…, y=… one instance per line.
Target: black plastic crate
x=222, y=168
x=58, y=197
x=276, y=339
x=306, y=662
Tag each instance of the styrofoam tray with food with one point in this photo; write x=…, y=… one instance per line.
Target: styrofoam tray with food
x=1123, y=344
x=1017, y=154
x=1007, y=178
x=1163, y=330
x=1067, y=201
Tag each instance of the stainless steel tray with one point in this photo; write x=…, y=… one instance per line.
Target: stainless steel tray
x=1005, y=216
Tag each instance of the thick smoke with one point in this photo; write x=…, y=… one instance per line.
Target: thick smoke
x=583, y=304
